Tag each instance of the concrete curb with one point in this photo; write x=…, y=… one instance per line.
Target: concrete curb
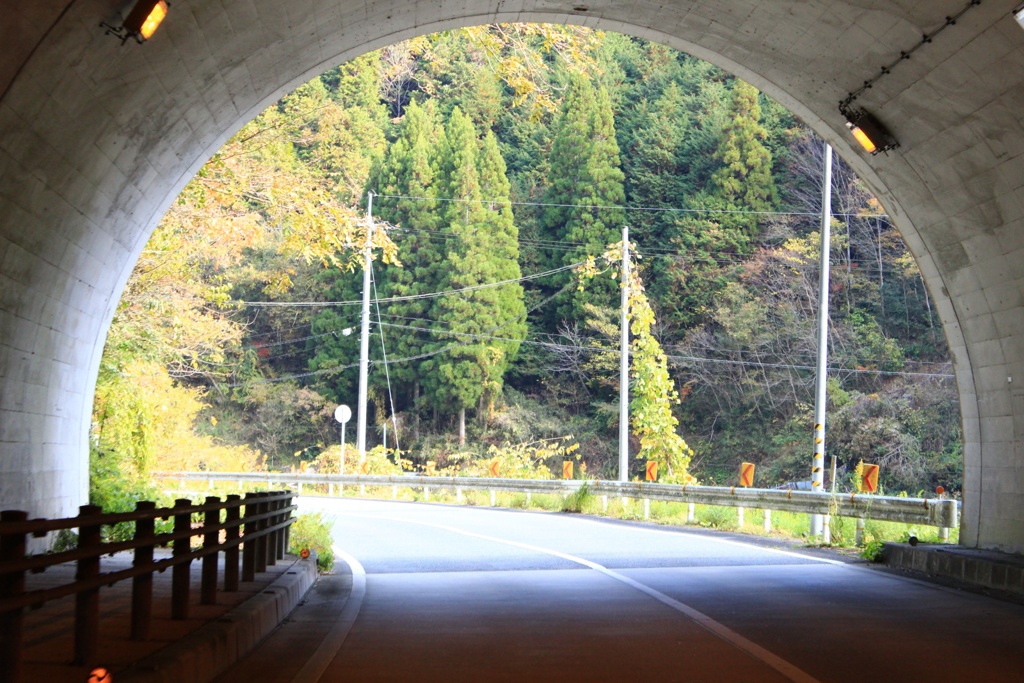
x=968, y=567
x=209, y=651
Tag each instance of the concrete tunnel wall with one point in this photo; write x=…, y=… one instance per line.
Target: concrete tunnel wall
x=96, y=140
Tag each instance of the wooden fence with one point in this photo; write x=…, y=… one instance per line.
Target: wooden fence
x=254, y=528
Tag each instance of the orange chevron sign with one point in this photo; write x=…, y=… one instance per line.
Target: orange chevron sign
x=567, y=469
x=652, y=470
x=493, y=467
x=867, y=477
x=746, y=474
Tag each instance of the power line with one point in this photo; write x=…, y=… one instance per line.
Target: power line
x=412, y=297
x=597, y=349
x=614, y=207
x=387, y=373
x=340, y=368
x=652, y=253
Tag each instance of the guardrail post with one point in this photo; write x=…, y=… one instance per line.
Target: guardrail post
x=458, y=495
x=858, y=537
x=493, y=501
x=249, y=547
x=529, y=496
x=647, y=508
x=12, y=549
x=262, y=507
x=330, y=489
x=691, y=513
x=142, y=585
x=231, y=534
x=604, y=503
x=740, y=516
x=394, y=493
x=180, y=580
x=87, y=602
x=426, y=494
x=767, y=520
x=208, y=583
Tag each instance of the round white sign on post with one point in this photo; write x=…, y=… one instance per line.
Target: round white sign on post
x=342, y=414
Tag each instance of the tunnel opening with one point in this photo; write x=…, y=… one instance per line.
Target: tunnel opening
x=235, y=342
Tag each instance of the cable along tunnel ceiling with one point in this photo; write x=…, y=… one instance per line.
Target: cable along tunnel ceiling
x=96, y=140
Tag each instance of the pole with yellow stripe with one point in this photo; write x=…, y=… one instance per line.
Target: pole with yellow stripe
x=818, y=461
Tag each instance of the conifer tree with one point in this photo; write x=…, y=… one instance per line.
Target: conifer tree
x=585, y=177
x=408, y=184
x=481, y=250
x=502, y=248
x=744, y=179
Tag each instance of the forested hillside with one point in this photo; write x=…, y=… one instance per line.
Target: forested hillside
x=500, y=160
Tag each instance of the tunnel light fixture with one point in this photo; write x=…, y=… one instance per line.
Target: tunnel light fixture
x=142, y=22
x=868, y=131
x=1018, y=14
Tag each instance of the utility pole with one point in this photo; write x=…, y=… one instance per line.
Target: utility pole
x=364, y=338
x=818, y=462
x=624, y=363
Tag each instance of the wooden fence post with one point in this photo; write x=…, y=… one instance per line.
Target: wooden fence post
x=87, y=602
x=273, y=538
x=282, y=535
x=12, y=549
x=261, y=525
x=287, y=532
x=180, y=580
x=142, y=585
x=249, y=549
x=208, y=584
x=231, y=553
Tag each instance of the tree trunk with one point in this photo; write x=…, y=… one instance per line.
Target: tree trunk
x=416, y=409
x=462, y=427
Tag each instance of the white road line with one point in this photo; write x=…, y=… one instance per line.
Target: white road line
x=788, y=670
x=332, y=642
x=723, y=541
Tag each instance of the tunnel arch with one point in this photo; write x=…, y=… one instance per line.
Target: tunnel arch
x=96, y=141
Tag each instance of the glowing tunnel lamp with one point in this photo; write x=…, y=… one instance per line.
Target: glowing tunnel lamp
x=862, y=137
x=142, y=22
x=869, y=131
x=152, y=18
x=1018, y=14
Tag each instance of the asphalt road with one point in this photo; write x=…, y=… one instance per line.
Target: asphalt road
x=453, y=594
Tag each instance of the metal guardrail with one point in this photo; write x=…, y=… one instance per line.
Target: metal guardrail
x=260, y=535
x=937, y=512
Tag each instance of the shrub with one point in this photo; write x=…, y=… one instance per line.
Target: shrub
x=872, y=551
x=578, y=499
x=313, y=531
